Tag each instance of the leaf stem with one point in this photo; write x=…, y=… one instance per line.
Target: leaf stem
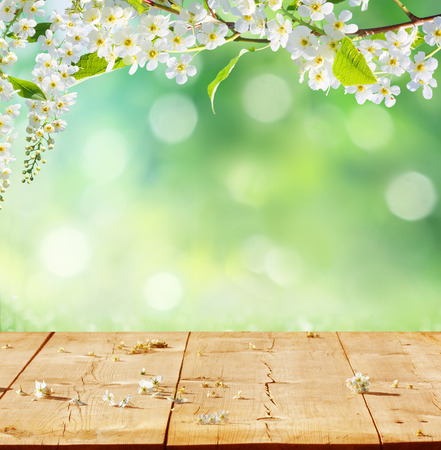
x=77, y=6
x=203, y=47
x=429, y=55
x=16, y=16
x=406, y=11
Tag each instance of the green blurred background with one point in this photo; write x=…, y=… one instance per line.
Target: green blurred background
x=287, y=210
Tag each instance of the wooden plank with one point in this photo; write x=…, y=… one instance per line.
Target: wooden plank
x=294, y=394
x=26, y=422
x=414, y=360
x=16, y=350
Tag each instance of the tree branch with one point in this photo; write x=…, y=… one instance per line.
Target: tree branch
x=370, y=31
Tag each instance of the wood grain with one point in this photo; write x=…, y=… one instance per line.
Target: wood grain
x=294, y=389
x=16, y=350
x=53, y=421
x=414, y=359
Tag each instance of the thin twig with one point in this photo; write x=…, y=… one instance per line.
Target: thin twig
x=211, y=11
x=252, y=40
x=406, y=11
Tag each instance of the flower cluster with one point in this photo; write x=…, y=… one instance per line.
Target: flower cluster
x=214, y=418
x=144, y=347
x=109, y=398
x=95, y=36
x=358, y=383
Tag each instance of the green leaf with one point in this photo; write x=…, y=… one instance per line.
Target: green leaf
x=139, y=5
x=350, y=66
x=27, y=89
x=336, y=1
x=293, y=6
x=91, y=65
x=40, y=30
x=223, y=75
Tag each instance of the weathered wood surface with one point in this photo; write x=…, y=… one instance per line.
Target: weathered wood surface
x=410, y=414
x=54, y=421
x=293, y=389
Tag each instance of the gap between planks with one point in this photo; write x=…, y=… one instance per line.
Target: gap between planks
x=48, y=338
x=176, y=390
x=364, y=398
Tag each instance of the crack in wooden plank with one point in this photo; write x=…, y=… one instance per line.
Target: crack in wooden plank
x=268, y=393
x=268, y=431
x=406, y=353
x=267, y=388
x=269, y=374
x=91, y=372
x=48, y=337
x=434, y=401
x=269, y=414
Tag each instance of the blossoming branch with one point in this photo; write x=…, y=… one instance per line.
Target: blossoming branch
x=92, y=37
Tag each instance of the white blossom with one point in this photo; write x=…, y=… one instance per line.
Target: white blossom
x=384, y=91
x=301, y=42
x=278, y=31
x=42, y=390
x=422, y=68
x=433, y=31
x=145, y=387
x=358, y=383
x=364, y=4
x=211, y=37
x=426, y=85
x=394, y=62
x=315, y=9
x=180, y=68
x=24, y=27
x=109, y=398
x=179, y=40
x=362, y=92
x=194, y=15
x=337, y=27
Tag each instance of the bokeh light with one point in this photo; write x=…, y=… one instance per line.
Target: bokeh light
x=65, y=252
x=267, y=98
x=370, y=127
x=105, y=152
x=163, y=291
x=173, y=118
x=411, y=196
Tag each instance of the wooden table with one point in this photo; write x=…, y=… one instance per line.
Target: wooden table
x=293, y=390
